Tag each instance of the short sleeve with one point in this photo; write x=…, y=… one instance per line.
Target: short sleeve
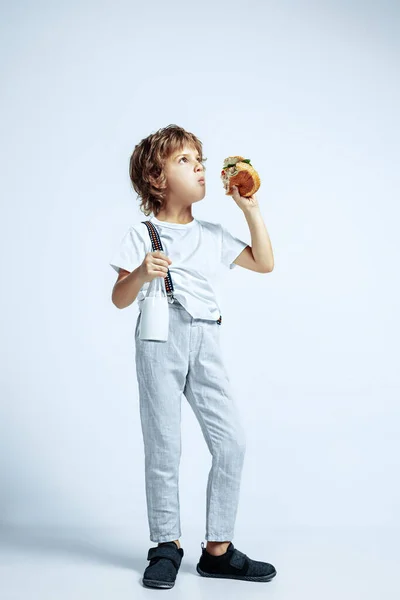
x=131, y=251
x=231, y=247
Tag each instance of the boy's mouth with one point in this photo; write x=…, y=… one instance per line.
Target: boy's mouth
x=201, y=180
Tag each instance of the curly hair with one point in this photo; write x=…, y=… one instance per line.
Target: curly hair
x=147, y=162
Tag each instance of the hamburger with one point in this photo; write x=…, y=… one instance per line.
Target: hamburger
x=238, y=171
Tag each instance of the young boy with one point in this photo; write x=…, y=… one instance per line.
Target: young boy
x=166, y=170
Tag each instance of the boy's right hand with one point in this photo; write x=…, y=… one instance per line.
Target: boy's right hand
x=155, y=264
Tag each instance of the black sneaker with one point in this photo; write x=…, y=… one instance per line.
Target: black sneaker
x=165, y=561
x=234, y=564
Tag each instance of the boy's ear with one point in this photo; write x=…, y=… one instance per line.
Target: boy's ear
x=153, y=183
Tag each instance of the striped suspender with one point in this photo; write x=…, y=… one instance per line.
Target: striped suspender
x=157, y=245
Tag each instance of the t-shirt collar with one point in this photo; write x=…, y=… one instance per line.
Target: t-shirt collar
x=156, y=221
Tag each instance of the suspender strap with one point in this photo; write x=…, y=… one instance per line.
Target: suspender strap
x=157, y=245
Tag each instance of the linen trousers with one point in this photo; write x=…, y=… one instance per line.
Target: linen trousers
x=188, y=363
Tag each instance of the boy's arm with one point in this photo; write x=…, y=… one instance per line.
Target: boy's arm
x=261, y=248
x=246, y=260
x=127, y=287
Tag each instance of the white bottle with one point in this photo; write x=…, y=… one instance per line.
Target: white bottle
x=154, y=318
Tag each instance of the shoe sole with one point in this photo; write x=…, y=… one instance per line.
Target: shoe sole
x=244, y=577
x=158, y=584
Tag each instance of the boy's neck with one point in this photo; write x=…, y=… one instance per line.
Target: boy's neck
x=169, y=217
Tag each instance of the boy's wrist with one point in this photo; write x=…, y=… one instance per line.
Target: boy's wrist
x=252, y=211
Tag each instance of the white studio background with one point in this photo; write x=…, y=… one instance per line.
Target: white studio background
x=310, y=92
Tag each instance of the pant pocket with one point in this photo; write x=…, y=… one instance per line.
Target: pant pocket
x=137, y=325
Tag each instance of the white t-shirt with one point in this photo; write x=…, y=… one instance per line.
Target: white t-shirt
x=197, y=250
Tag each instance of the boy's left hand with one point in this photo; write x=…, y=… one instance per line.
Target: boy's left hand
x=243, y=202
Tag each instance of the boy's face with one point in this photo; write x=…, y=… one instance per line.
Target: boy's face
x=183, y=170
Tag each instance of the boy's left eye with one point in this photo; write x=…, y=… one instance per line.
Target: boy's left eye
x=184, y=157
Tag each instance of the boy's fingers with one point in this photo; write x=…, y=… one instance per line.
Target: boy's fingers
x=160, y=261
x=162, y=255
x=167, y=257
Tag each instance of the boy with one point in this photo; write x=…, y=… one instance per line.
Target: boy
x=168, y=173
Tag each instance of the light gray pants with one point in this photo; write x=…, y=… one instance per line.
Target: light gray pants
x=189, y=363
